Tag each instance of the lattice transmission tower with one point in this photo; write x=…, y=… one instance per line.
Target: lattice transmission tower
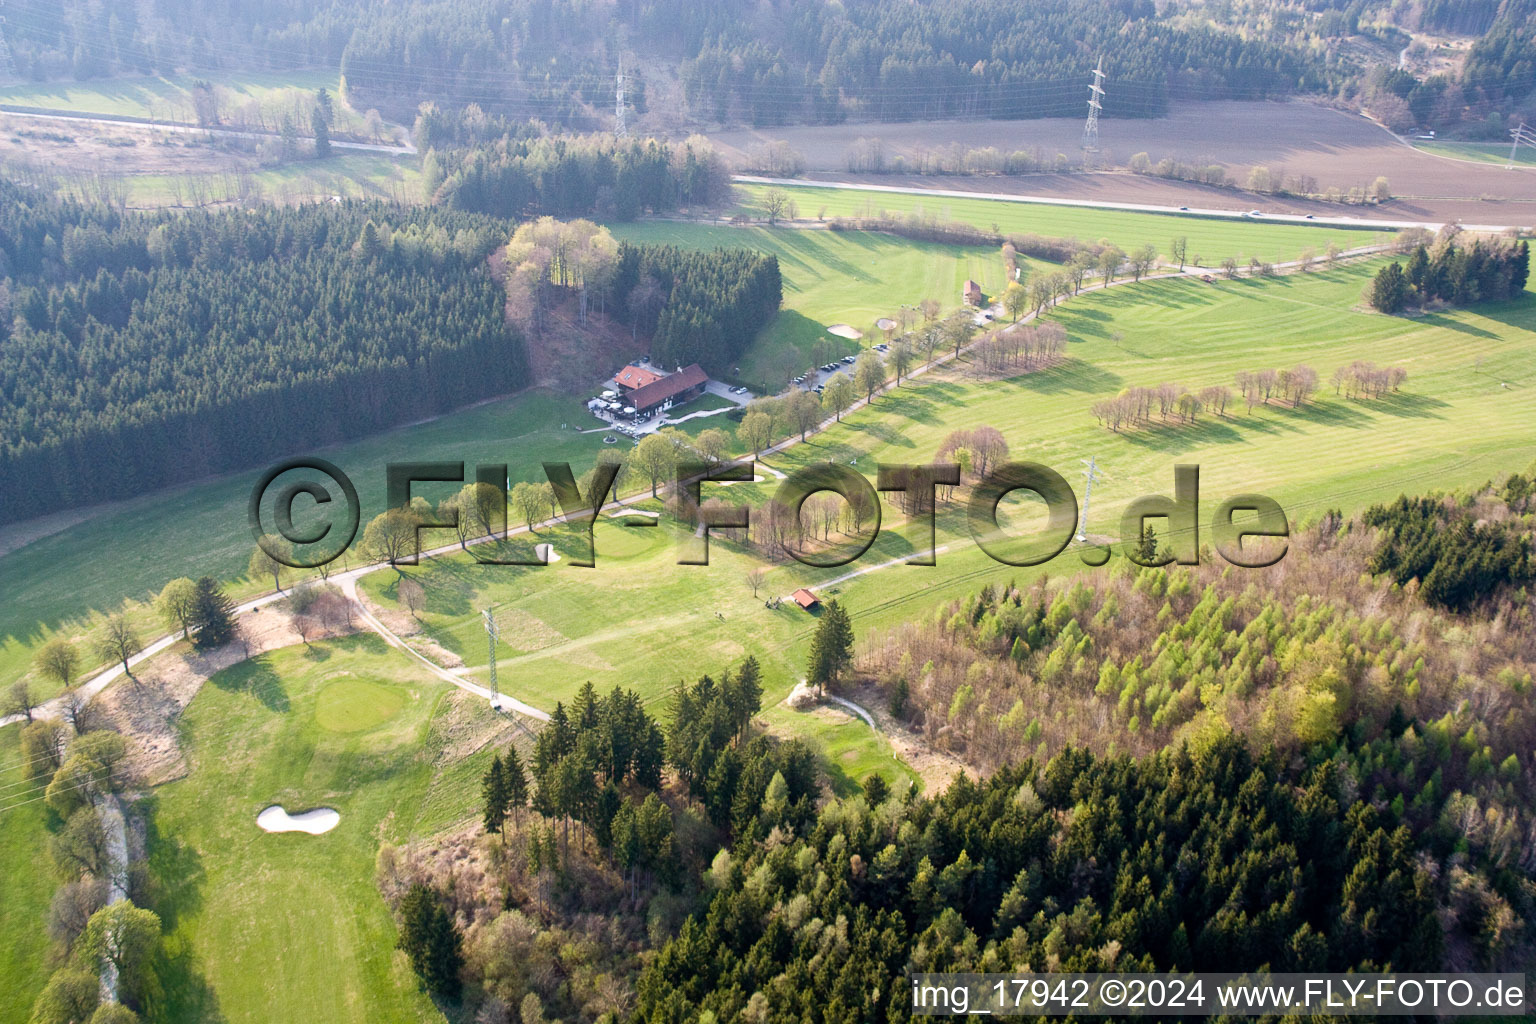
x=1091, y=126
x=620, y=122
x=492, y=634
x=1516, y=135
x=1091, y=472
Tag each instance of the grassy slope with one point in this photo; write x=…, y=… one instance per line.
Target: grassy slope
x=26, y=884
x=350, y=174
x=202, y=528
x=290, y=927
x=164, y=98
x=1482, y=152
x=831, y=278
x=850, y=751
x=641, y=620
x=1210, y=238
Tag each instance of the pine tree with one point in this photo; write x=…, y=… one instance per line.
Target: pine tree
x=1146, y=549
x=1389, y=290
x=493, y=792
x=322, y=133
x=516, y=781
x=831, y=647
x=212, y=615
x=430, y=941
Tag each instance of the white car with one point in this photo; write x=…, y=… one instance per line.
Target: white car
x=1253, y=213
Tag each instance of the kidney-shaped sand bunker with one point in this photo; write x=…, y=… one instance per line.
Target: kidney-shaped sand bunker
x=321, y=819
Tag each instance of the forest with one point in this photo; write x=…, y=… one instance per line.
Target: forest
x=699, y=307
x=1348, y=788
x=147, y=350
x=581, y=176
x=801, y=61
x=1452, y=274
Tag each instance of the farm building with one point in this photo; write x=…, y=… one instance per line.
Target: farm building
x=632, y=378
x=673, y=389
x=805, y=599
x=971, y=294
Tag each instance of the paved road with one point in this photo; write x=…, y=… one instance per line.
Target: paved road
x=408, y=149
x=1099, y=204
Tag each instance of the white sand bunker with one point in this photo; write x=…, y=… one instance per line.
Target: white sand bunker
x=546, y=553
x=845, y=331
x=885, y=323
x=626, y=513
x=321, y=819
x=759, y=478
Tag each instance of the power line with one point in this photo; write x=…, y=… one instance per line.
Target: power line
x=1517, y=136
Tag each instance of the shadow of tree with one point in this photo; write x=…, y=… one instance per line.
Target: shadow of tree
x=173, y=889
x=256, y=677
x=1401, y=403
x=1071, y=374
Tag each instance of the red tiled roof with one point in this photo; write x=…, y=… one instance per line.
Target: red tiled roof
x=637, y=377
x=670, y=386
x=804, y=598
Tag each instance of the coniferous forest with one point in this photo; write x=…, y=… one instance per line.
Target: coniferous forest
x=715, y=302
x=1453, y=274
x=140, y=351
x=149, y=350
x=469, y=167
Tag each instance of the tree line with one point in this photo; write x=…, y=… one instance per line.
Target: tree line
x=144, y=351
x=988, y=59
x=698, y=307
x=1487, y=270
x=523, y=175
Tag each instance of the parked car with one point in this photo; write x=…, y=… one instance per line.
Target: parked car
x=1184, y=209
x=1253, y=213
x=850, y=360
x=738, y=391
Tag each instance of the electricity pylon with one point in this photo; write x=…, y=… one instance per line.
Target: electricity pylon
x=1091, y=126
x=1090, y=474
x=492, y=634
x=621, y=125
x=1516, y=136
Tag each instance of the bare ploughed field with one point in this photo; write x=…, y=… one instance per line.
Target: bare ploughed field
x=117, y=149
x=1337, y=148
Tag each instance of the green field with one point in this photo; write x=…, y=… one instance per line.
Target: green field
x=134, y=550
x=169, y=97
x=26, y=883
x=1211, y=239
x=1482, y=152
x=851, y=752
x=202, y=529
x=834, y=277
x=639, y=619
x=264, y=927
x=349, y=174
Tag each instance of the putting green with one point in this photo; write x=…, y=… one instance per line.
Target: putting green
x=356, y=705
